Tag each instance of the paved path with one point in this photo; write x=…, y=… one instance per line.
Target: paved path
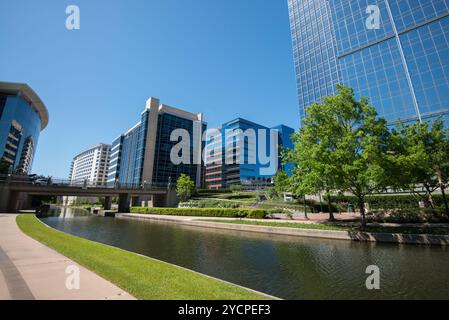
x=317, y=218
x=30, y=270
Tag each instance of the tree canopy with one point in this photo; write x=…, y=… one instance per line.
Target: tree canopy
x=420, y=155
x=341, y=146
x=185, y=187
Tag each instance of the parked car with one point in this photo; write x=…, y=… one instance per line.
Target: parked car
x=40, y=180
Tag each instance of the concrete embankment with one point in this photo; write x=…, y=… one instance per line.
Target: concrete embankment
x=422, y=239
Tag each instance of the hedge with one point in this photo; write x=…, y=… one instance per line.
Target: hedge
x=210, y=203
x=203, y=212
x=213, y=191
x=409, y=215
x=388, y=201
x=398, y=208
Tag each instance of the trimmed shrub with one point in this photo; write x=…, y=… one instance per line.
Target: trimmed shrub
x=212, y=191
x=209, y=203
x=203, y=212
x=388, y=201
x=238, y=196
x=409, y=215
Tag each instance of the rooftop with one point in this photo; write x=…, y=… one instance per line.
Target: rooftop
x=31, y=97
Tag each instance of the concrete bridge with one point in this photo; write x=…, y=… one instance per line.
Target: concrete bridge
x=16, y=193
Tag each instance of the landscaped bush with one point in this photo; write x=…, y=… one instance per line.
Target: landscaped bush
x=388, y=201
x=238, y=196
x=397, y=208
x=203, y=212
x=316, y=206
x=212, y=191
x=277, y=211
x=209, y=203
x=408, y=215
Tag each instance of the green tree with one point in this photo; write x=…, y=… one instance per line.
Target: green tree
x=185, y=187
x=281, y=182
x=420, y=153
x=341, y=146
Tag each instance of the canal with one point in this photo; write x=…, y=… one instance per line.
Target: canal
x=283, y=266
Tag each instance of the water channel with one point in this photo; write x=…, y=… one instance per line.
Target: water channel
x=284, y=266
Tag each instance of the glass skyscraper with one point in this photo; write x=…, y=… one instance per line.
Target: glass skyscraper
x=232, y=154
x=22, y=117
x=142, y=155
x=395, y=52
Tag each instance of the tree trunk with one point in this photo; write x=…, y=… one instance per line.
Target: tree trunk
x=443, y=193
x=429, y=197
x=446, y=205
x=362, y=210
x=329, y=203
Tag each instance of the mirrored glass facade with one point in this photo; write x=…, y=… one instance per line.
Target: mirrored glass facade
x=234, y=154
x=142, y=155
x=20, y=126
x=395, y=52
x=164, y=169
x=127, y=155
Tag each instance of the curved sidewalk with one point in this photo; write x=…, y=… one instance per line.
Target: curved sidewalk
x=30, y=270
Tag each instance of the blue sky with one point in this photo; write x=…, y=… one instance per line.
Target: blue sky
x=225, y=58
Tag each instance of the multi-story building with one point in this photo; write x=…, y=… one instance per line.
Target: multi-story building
x=22, y=117
x=395, y=52
x=245, y=153
x=91, y=166
x=143, y=154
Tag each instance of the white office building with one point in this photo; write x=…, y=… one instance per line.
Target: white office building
x=89, y=167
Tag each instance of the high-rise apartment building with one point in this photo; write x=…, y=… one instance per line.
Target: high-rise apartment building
x=143, y=154
x=22, y=117
x=245, y=153
x=91, y=166
x=395, y=52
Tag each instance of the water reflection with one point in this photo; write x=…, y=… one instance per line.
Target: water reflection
x=66, y=212
x=284, y=266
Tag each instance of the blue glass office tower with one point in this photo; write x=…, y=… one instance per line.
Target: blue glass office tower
x=401, y=63
x=22, y=117
x=285, y=143
x=233, y=156
x=142, y=155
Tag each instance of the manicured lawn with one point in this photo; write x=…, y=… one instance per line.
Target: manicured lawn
x=339, y=227
x=143, y=277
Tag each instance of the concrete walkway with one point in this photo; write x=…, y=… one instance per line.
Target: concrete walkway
x=346, y=219
x=30, y=270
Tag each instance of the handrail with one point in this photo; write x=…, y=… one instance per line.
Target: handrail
x=54, y=182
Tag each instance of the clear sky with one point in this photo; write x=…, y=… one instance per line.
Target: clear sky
x=225, y=58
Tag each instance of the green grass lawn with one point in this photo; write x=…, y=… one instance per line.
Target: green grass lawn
x=339, y=227
x=143, y=277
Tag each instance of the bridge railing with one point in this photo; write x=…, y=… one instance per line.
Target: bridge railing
x=86, y=184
